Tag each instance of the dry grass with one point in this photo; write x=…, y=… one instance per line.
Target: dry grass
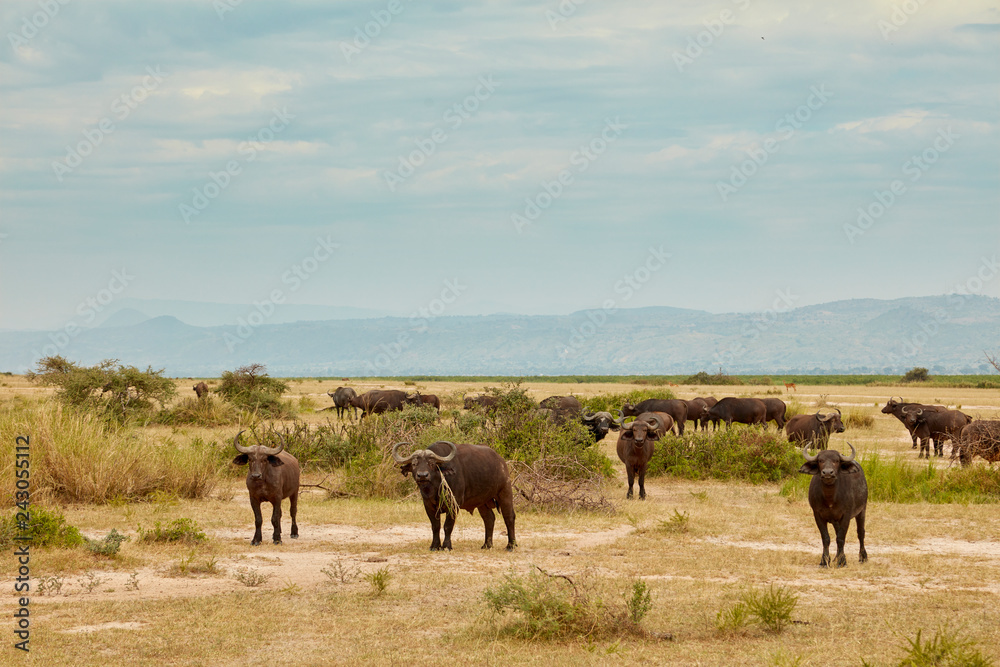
x=929, y=564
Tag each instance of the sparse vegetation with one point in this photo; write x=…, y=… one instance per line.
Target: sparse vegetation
x=44, y=527
x=250, y=577
x=771, y=608
x=109, y=545
x=178, y=530
x=740, y=452
x=947, y=648
x=379, y=580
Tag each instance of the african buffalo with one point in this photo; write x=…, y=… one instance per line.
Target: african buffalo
x=564, y=408
x=710, y=401
x=775, y=412
x=486, y=403
x=838, y=493
x=599, y=423
x=201, y=389
x=424, y=399
x=697, y=411
x=743, y=410
x=377, y=401
x=926, y=425
x=814, y=429
x=980, y=438
x=674, y=407
x=635, y=448
x=342, y=397
x=477, y=477
x=273, y=475
x=895, y=408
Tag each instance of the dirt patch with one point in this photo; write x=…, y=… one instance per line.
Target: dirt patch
x=114, y=625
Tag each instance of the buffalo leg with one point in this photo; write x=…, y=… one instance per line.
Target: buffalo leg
x=489, y=519
x=506, y=507
x=860, y=522
x=449, y=524
x=939, y=447
x=642, y=483
x=276, y=521
x=824, y=533
x=258, y=521
x=293, y=509
x=435, y=529
x=841, y=529
x=631, y=480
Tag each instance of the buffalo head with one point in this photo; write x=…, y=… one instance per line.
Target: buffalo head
x=829, y=463
x=423, y=464
x=831, y=423
x=257, y=457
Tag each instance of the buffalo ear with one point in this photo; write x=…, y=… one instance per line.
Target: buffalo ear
x=809, y=468
x=241, y=460
x=405, y=469
x=275, y=461
x=850, y=467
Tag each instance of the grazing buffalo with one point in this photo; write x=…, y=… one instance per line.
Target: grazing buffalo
x=895, y=408
x=697, y=411
x=564, y=408
x=600, y=423
x=424, y=399
x=814, y=429
x=775, y=412
x=838, y=493
x=486, y=403
x=674, y=407
x=477, y=477
x=635, y=448
x=743, y=410
x=377, y=401
x=342, y=400
x=980, y=438
x=273, y=475
x=201, y=389
x=926, y=426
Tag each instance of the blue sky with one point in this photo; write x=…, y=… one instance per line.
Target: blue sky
x=237, y=151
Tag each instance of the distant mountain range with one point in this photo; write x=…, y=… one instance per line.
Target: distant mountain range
x=946, y=334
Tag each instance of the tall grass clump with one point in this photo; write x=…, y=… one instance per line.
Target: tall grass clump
x=771, y=608
x=741, y=452
x=946, y=649
x=898, y=480
x=207, y=412
x=855, y=419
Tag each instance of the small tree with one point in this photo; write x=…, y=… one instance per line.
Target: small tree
x=250, y=388
x=994, y=362
x=917, y=374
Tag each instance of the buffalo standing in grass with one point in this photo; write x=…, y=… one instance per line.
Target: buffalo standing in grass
x=342, y=400
x=710, y=401
x=895, y=408
x=980, y=438
x=599, y=423
x=635, y=446
x=814, y=429
x=697, y=411
x=201, y=389
x=674, y=407
x=838, y=493
x=478, y=478
x=273, y=475
x=743, y=410
x=485, y=403
x=935, y=426
x=775, y=412
x=377, y=401
x=424, y=399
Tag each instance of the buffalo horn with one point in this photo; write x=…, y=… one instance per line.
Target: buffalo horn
x=236, y=442
x=621, y=417
x=853, y=454
x=839, y=413
x=587, y=416
x=805, y=453
x=266, y=451
x=444, y=459
x=396, y=457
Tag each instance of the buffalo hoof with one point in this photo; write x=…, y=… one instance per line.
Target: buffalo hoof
x=864, y=557
x=435, y=548
x=294, y=537
x=277, y=541
x=486, y=546
x=255, y=543
x=510, y=547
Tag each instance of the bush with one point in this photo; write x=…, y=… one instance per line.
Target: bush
x=250, y=389
x=613, y=402
x=108, y=546
x=946, y=649
x=719, y=378
x=741, y=452
x=206, y=412
x=772, y=609
x=45, y=528
x=179, y=530
x=118, y=393
x=916, y=374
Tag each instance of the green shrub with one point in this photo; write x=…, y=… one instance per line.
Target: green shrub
x=45, y=528
x=178, y=530
x=719, y=378
x=250, y=389
x=917, y=374
x=206, y=412
x=613, y=402
x=108, y=546
x=771, y=608
x=741, y=452
x=946, y=649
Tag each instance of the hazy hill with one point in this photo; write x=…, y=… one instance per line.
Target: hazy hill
x=945, y=334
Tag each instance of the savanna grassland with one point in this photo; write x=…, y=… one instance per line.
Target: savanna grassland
x=360, y=587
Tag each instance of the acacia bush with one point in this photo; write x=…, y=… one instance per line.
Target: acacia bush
x=741, y=452
x=719, y=378
x=252, y=390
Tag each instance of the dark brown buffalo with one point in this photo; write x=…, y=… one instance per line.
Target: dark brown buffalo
x=697, y=411
x=814, y=429
x=895, y=408
x=710, y=401
x=478, y=478
x=674, y=407
x=342, y=397
x=927, y=426
x=775, y=412
x=600, y=423
x=980, y=438
x=486, y=403
x=201, y=389
x=273, y=475
x=564, y=408
x=635, y=447
x=838, y=493
x=377, y=401
x=424, y=399
x=743, y=410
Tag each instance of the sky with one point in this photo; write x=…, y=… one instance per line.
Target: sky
x=481, y=157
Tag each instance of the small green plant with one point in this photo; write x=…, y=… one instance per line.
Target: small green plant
x=290, y=588
x=948, y=648
x=188, y=566
x=734, y=618
x=108, y=546
x=44, y=527
x=339, y=574
x=178, y=530
x=639, y=602
x=677, y=523
x=92, y=582
x=379, y=580
x=50, y=585
x=250, y=577
x=771, y=608
x=133, y=582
